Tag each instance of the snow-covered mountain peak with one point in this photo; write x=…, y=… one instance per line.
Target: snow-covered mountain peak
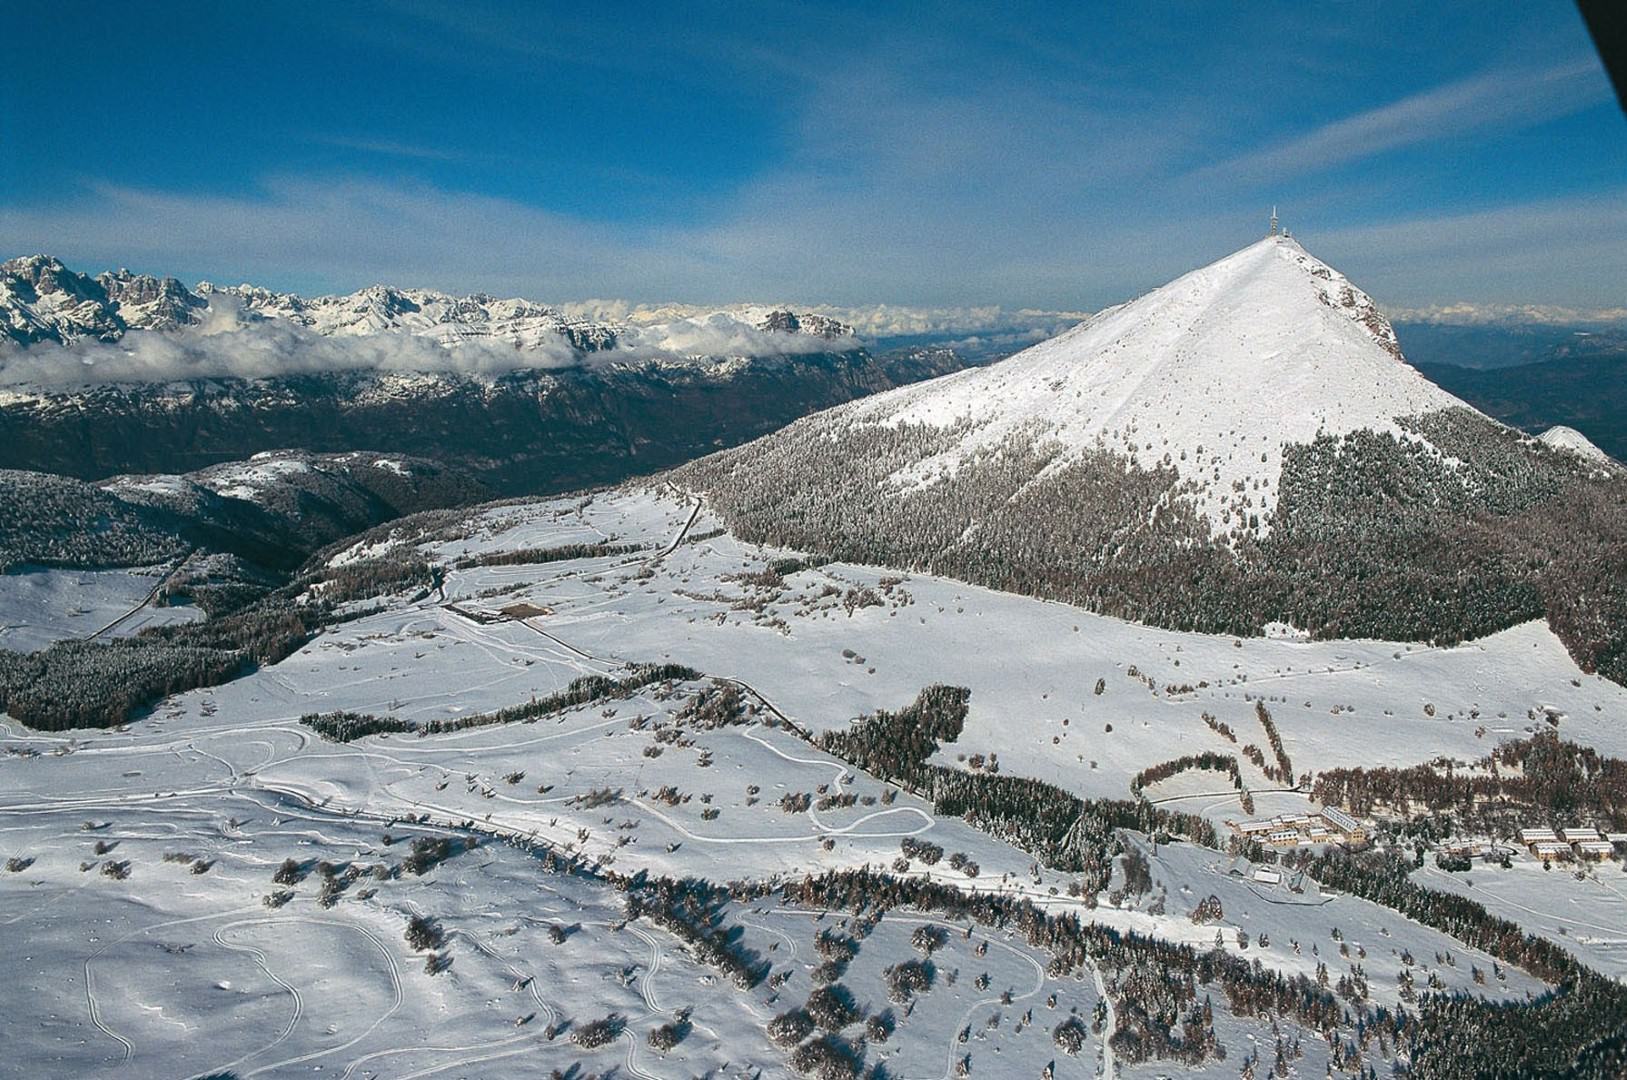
x=1211, y=375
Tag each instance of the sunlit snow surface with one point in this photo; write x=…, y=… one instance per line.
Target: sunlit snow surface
x=168, y=972
x=1216, y=371
x=41, y=605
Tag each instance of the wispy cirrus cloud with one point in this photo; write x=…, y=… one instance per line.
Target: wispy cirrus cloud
x=388, y=148
x=1502, y=99
x=1570, y=252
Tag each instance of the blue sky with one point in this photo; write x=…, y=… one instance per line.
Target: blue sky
x=1027, y=155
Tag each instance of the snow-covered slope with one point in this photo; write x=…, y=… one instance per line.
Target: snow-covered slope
x=1211, y=374
x=1243, y=446
x=1561, y=437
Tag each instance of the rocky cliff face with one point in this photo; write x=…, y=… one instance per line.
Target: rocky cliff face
x=42, y=301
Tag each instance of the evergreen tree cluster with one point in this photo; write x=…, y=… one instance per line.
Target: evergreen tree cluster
x=693, y=911
x=1159, y=1013
x=102, y=683
x=1056, y=827
x=1284, y=770
x=1578, y=1029
x=1208, y=759
x=561, y=553
x=719, y=704
x=895, y=745
x=1542, y=780
x=586, y=690
x=56, y=521
x=78, y=684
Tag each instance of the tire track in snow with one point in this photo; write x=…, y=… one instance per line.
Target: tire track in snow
x=260, y=961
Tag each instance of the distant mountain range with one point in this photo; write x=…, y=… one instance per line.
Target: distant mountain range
x=43, y=301
x=121, y=373
x=1485, y=346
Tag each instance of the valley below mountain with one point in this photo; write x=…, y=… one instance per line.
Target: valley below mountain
x=1580, y=392
x=525, y=432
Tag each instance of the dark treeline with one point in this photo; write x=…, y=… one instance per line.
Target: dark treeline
x=99, y=684
x=1543, y=780
x=1284, y=771
x=95, y=684
x=1157, y=983
x=1209, y=760
x=256, y=615
x=1577, y=1030
x=526, y=556
x=1058, y=828
x=55, y=521
x=694, y=913
x=895, y=745
x=345, y=726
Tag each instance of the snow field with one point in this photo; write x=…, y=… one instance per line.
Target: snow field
x=229, y=775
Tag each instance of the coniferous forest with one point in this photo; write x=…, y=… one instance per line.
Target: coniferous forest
x=1462, y=530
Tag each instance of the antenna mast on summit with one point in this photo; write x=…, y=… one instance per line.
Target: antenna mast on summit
x=1273, y=221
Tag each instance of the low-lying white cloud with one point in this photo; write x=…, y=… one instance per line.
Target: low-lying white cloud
x=1469, y=314
x=258, y=351
x=718, y=334
x=869, y=322
x=228, y=346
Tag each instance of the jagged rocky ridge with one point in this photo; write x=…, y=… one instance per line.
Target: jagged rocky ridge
x=1243, y=446
x=43, y=301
